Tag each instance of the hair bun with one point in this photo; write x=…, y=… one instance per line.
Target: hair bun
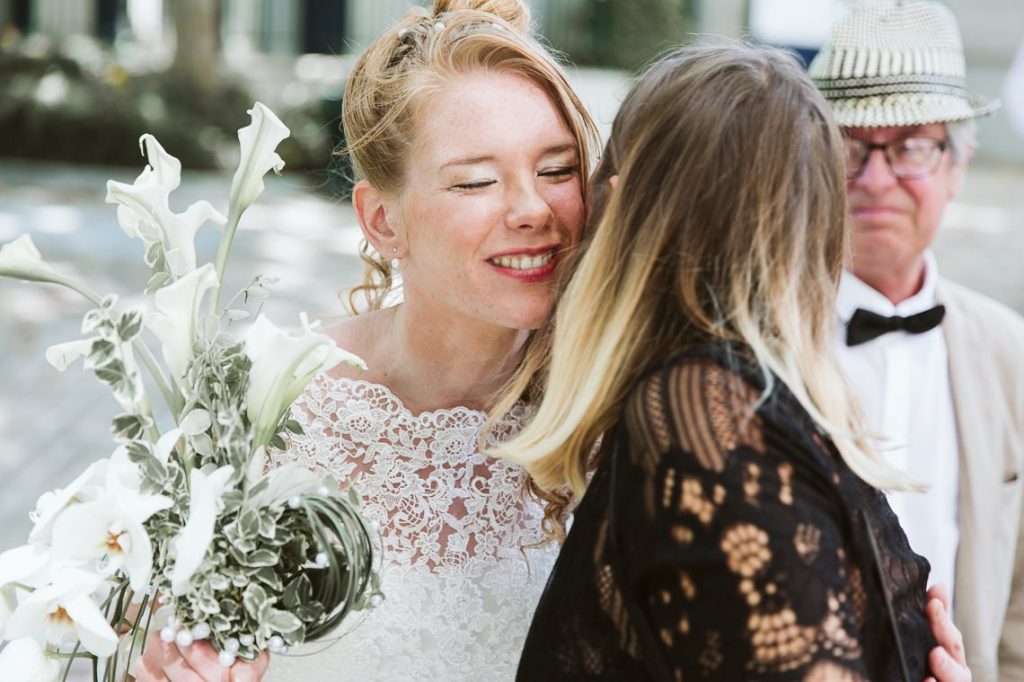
x=513, y=12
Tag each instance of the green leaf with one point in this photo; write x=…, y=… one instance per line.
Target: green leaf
x=152, y=469
x=261, y=557
x=249, y=523
x=268, y=525
x=220, y=623
x=100, y=353
x=294, y=426
x=158, y=281
x=111, y=373
x=128, y=426
x=93, y=320
x=155, y=256
x=278, y=442
x=298, y=592
x=255, y=600
x=129, y=325
x=282, y=621
x=310, y=612
x=269, y=577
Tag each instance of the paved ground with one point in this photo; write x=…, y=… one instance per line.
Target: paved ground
x=52, y=425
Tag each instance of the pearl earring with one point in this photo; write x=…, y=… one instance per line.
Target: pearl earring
x=395, y=262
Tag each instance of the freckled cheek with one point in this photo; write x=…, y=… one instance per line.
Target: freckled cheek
x=566, y=203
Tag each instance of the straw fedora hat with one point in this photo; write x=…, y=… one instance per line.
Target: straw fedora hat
x=897, y=63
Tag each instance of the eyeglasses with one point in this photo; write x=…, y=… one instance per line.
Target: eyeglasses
x=909, y=159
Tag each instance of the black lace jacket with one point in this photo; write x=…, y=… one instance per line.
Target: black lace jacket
x=725, y=539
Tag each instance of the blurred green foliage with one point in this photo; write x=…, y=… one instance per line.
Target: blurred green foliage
x=54, y=108
x=624, y=34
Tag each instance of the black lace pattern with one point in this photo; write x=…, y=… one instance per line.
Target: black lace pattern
x=725, y=539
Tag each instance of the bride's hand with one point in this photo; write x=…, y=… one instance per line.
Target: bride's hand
x=947, y=660
x=162, y=662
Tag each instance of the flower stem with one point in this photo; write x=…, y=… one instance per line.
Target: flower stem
x=234, y=217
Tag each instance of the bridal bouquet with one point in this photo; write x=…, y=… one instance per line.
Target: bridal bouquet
x=185, y=517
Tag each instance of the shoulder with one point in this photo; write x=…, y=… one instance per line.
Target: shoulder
x=704, y=401
x=981, y=311
x=359, y=334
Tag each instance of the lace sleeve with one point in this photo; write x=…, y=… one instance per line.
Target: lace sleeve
x=744, y=572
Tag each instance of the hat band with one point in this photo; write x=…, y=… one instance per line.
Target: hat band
x=874, y=87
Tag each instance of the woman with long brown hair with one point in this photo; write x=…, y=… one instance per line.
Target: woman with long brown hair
x=734, y=527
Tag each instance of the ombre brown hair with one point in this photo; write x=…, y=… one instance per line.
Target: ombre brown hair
x=392, y=82
x=727, y=224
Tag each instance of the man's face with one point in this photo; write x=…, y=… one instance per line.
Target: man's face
x=896, y=219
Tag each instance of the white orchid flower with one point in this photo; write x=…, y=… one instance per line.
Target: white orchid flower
x=205, y=492
x=25, y=565
x=110, y=528
x=7, y=605
x=24, y=660
x=259, y=141
x=144, y=208
x=50, y=504
x=176, y=319
x=21, y=260
x=62, y=355
x=282, y=364
x=63, y=612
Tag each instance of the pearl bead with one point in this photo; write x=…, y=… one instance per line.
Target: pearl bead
x=231, y=646
x=226, y=659
x=183, y=638
x=168, y=634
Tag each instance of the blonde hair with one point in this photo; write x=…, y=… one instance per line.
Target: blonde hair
x=416, y=58
x=728, y=224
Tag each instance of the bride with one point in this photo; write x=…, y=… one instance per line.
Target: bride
x=473, y=154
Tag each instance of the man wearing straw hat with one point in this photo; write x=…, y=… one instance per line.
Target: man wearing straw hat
x=939, y=369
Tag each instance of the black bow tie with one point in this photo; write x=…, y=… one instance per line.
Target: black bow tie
x=866, y=325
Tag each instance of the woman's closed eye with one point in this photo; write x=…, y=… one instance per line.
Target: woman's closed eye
x=560, y=172
x=473, y=184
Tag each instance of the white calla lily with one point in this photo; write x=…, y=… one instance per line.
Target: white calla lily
x=144, y=207
x=64, y=611
x=259, y=142
x=282, y=365
x=24, y=660
x=284, y=482
x=176, y=319
x=111, y=527
x=63, y=354
x=205, y=492
x=21, y=260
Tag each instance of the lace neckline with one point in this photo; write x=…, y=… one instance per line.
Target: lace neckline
x=398, y=404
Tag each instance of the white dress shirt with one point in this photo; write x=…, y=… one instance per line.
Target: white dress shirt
x=902, y=383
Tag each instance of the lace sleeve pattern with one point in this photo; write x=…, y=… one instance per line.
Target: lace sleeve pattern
x=727, y=544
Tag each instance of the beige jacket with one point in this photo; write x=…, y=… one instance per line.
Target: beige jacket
x=986, y=368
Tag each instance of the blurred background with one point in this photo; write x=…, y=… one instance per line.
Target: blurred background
x=81, y=80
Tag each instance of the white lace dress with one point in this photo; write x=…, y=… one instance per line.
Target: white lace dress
x=460, y=583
